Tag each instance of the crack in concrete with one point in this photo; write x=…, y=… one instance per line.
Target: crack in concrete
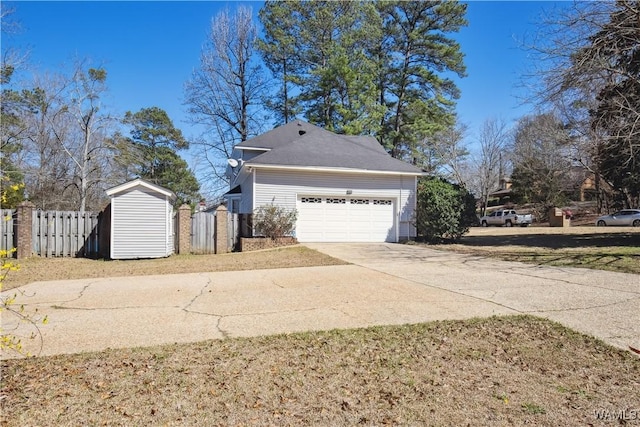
x=59, y=304
x=193, y=300
x=444, y=289
x=529, y=268
x=511, y=271
x=224, y=333
x=273, y=282
x=583, y=308
x=128, y=307
x=569, y=282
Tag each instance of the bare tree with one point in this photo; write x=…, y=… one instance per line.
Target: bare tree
x=587, y=55
x=43, y=116
x=62, y=133
x=12, y=59
x=489, y=162
x=542, y=157
x=88, y=149
x=446, y=154
x=223, y=94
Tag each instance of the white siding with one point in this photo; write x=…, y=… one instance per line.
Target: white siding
x=283, y=187
x=141, y=225
x=246, y=201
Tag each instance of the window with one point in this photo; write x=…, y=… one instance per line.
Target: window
x=382, y=202
x=359, y=201
x=336, y=201
x=311, y=200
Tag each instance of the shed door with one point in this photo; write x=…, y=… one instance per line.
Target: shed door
x=140, y=226
x=345, y=219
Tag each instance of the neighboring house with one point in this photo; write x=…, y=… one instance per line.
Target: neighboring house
x=503, y=193
x=141, y=220
x=345, y=188
x=580, y=185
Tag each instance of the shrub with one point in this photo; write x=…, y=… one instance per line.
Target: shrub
x=274, y=221
x=444, y=211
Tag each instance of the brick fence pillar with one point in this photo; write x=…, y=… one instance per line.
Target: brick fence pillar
x=184, y=229
x=24, y=231
x=222, y=246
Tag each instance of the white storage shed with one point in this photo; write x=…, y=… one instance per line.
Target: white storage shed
x=141, y=220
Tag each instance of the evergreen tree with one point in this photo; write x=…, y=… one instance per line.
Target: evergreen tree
x=363, y=67
x=154, y=140
x=278, y=50
x=329, y=66
x=419, y=99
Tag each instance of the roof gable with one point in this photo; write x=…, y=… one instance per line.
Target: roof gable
x=139, y=182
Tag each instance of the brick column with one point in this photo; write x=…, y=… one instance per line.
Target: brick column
x=184, y=229
x=24, y=230
x=221, y=230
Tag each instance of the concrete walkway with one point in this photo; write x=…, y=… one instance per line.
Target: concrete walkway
x=388, y=284
x=599, y=303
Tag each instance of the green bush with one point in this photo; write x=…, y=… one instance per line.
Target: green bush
x=274, y=221
x=444, y=211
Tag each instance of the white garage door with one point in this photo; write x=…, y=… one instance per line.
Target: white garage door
x=345, y=219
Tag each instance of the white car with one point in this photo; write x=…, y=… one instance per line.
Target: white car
x=625, y=217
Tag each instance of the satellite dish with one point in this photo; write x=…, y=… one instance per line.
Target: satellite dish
x=232, y=162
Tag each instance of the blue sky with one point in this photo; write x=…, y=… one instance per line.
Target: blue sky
x=150, y=48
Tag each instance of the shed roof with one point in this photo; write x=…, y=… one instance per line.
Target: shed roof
x=139, y=182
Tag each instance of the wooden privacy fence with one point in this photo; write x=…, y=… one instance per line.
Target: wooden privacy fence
x=66, y=233
x=204, y=232
x=233, y=231
x=71, y=234
x=7, y=229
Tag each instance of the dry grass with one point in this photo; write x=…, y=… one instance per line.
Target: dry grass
x=497, y=371
x=40, y=269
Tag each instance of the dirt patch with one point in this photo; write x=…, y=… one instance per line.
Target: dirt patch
x=498, y=371
x=41, y=269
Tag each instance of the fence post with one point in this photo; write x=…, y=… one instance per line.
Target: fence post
x=222, y=245
x=184, y=229
x=24, y=230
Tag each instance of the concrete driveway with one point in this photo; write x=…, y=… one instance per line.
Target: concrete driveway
x=387, y=284
x=599, y=303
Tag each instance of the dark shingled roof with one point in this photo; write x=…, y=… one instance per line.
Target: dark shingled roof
x=316, y=147
x=282, y=135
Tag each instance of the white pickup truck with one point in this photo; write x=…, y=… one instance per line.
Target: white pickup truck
x=507, y=218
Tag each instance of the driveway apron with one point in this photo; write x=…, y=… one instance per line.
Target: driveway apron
x=599, y=303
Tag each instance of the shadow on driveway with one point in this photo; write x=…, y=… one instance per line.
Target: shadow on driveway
x=556, y=241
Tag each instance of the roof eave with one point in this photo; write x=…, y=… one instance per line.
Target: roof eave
x=247, y=148
x=334, y=169
x=143, y=183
